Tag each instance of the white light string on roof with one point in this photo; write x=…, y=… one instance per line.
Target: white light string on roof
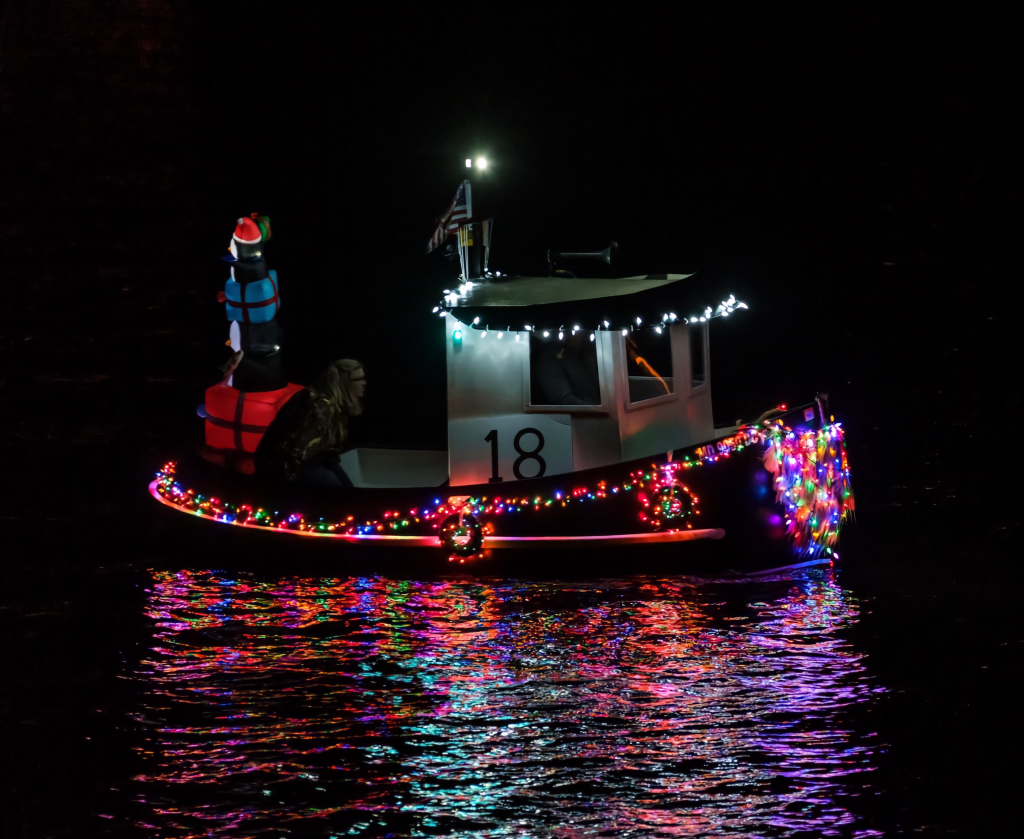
x=723, y=309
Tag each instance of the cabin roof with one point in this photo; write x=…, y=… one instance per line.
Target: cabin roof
x=539, y=291
x=534, y=303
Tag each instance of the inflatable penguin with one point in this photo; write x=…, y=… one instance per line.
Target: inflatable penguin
x=239, y=409
x=252, y=302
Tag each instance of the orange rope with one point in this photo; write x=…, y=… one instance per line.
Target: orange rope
x=654, y=373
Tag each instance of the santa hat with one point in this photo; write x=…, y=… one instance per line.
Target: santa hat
x=247, y=232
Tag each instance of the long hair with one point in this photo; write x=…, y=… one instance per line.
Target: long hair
x=335, y=385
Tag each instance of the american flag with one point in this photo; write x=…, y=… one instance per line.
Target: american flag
x=458, y=213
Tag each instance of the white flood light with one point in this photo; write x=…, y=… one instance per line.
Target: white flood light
x=591, y=336
x=469, y=163
x=546, y=334
x=481, y=163
x=476, y=320
x=625, y=332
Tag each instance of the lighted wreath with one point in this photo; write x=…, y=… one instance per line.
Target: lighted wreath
x=672, y=502
x=461, y=534
x=668, y=503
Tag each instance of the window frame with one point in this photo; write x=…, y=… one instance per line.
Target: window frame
x=705, y=351
x=622, y=376
x=602, y=380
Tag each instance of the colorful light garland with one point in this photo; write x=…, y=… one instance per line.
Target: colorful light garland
x=812, y=481
x=810, y=473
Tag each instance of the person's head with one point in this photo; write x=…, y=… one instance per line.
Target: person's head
x=577, y=341
x=344, y=383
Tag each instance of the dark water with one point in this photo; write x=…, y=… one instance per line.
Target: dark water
x=862, y=200
x=149, y=702
x=380, y=707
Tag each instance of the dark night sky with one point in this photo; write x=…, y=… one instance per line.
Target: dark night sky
x=854, y=177
x=849, y=176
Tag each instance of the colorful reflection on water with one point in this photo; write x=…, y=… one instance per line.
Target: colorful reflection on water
x=385, y=707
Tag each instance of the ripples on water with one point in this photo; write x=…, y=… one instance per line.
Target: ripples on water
x=385, y=707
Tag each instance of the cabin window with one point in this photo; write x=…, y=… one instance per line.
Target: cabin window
x=564, y=372
x=698, y=354
x=649, y=364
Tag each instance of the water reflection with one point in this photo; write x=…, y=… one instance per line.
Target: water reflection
x=384, y=707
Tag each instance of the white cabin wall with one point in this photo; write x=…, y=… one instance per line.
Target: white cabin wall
x=657, y=426
x=485, y=375
x=486, y=395
x=699, y=423
x=488, y=380
x=595, y=437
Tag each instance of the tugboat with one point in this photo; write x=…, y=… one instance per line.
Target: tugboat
x=579, y=424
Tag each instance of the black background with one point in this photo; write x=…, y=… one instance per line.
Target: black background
x=854, y=178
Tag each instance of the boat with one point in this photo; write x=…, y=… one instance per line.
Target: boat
x=632, y=472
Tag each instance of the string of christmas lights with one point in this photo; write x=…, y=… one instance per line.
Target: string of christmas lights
x=812, y=481
x=809, y=469
x=724, y=309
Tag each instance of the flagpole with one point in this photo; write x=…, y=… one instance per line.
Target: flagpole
x=464, y=233
x=463, y=253
x=488, y=227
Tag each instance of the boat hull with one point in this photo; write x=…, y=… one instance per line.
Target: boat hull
x=712, y=510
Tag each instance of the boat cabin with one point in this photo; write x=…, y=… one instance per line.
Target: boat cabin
x=551, y=375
